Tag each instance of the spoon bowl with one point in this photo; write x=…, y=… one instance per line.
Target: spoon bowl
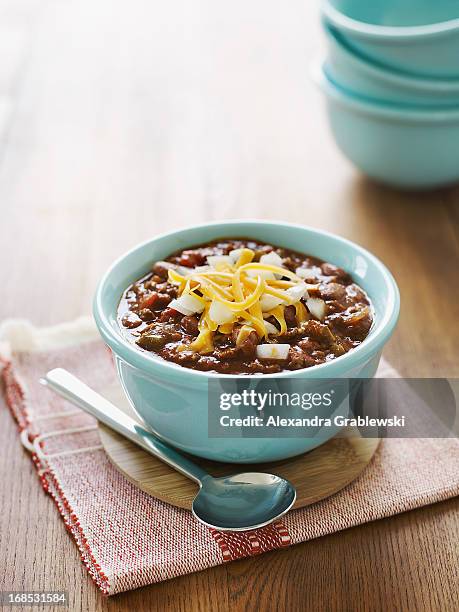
x=243, y=501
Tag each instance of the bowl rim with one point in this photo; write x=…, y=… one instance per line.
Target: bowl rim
x=150, y=363
x=373, y=31
x=402, y=114
x=435, y=85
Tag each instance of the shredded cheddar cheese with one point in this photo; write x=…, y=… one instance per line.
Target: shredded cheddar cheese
x=245, y=257
x=226, y=328
x=203, y=343
x=243, y=334
x=278, y=314
x=238, y=284
x=301, y=312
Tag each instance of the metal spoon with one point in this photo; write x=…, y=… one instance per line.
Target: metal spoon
x=231, y=503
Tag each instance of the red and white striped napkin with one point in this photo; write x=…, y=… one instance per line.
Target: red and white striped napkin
x=128, y=539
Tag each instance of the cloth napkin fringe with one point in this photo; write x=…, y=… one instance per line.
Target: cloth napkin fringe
x=17, y=404
x=18, y=338
x=21, y=335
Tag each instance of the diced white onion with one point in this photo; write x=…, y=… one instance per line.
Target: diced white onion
x=182, y=270
x=235, y=254
x=297, y=292
x=268, y=302
x=220, y=314
x=178, y=306
x=316, y=307
x=273, y=351
x=305, y=272
x=166, y=264
x=201, y=269
x=215, y=260
x=272, y=259
x=271, y=329
x=266, y=274
x=187, y=304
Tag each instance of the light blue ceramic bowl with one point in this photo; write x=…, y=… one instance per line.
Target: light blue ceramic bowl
x=403, y=147
x=420, y=37
x=173, y=400
x=365, y=78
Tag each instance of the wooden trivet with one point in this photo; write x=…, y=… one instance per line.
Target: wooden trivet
x=316, y=475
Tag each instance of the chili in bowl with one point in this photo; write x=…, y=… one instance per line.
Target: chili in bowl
x=238, y=306
x=240, y=299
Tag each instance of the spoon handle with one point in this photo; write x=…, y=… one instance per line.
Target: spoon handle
x=76, y=391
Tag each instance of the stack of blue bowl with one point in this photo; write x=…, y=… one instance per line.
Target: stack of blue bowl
x=391, y=80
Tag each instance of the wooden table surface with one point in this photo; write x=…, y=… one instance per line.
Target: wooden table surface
x=120, y=120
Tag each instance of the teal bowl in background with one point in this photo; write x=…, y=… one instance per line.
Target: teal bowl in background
x=364, y=78
x=419, y=37
x=411, y=148
x=173, y=400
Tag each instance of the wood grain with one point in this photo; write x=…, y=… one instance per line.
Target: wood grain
x=316, y=475
x=119, y=121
